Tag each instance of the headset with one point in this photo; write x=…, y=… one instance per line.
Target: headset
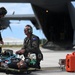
x=29, y=28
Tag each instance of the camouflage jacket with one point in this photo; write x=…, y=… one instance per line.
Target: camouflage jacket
x=31, y=45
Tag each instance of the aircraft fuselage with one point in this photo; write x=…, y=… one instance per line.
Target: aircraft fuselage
x=55, y=19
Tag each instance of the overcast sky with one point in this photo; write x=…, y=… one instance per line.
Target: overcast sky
x=18, y=26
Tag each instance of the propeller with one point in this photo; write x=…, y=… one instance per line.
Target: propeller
x=4, y=24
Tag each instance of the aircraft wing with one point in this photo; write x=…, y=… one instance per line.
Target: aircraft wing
x=30, y=17
x=20, y=17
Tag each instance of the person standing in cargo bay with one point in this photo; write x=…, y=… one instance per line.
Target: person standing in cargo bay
x=31, y=45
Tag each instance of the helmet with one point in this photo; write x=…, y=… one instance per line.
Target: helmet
x=28, y=29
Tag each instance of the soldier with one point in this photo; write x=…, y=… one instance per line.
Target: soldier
x=3, y=12
x=31, y=45
x=1, y=42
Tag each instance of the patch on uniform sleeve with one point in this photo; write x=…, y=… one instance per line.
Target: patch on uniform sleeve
x=34, y=43
x=34, y=38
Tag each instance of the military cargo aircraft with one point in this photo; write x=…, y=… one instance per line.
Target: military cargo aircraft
x=55, y=18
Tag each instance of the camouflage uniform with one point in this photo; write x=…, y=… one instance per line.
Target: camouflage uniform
x=31, y=45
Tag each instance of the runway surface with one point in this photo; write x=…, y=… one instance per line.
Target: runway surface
x=49, y=64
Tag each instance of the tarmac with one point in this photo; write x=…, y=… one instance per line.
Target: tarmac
x=51, y=57
x=49, y=65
